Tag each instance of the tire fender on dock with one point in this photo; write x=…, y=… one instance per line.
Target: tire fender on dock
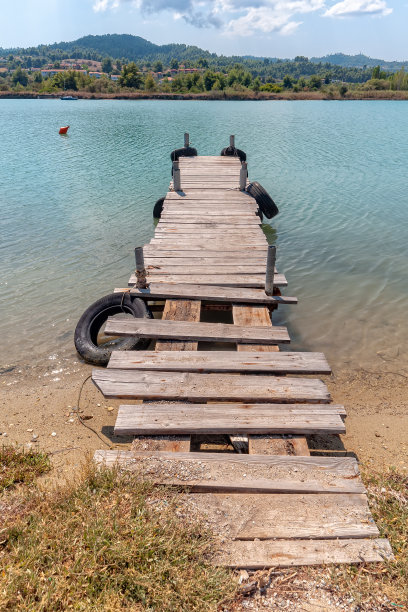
x=94, y=317
x=263, y=199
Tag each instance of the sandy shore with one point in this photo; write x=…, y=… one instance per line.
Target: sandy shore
x=39, y=408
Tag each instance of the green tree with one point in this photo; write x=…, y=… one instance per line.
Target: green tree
x=149, y=83
x=66, y=80
x=315, y=82
x=158, y=66
x=38, y=77
x=174, y=64
x=20, y=76
x=342, y=90
x=209, y=78
x=202, y=63
x=246, y=79
x=130, y=76
x=107, y=65
x=256, y=85
x=287, y=82
x=376, y=73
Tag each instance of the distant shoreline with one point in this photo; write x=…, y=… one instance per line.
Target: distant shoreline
x=289, y=96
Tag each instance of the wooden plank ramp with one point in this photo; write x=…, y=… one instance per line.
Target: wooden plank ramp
x=270, y=501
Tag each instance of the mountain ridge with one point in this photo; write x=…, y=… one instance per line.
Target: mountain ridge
x=136, y=48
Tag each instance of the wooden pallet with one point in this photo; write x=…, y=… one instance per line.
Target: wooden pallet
x=275, y=504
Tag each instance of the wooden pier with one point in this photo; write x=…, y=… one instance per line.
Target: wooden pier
x=207, y=263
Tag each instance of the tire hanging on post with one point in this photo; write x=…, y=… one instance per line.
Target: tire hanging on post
x=95, y=316
x=158, y=208
x=263, y=199
x=184, y=152
x=233, y=152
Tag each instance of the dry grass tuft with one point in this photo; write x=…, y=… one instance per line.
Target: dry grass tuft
x=372, y=583
x=111, y=543
x=18, y=466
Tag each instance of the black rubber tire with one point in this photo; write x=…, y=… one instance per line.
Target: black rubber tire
x=158, y=208
x=264, y=200
x=233, y=152
x=184, y=152
x=89, y=325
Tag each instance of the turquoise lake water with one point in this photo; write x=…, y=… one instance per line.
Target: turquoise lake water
x=73, y=208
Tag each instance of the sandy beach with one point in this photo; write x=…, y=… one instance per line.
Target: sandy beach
x=39, y=407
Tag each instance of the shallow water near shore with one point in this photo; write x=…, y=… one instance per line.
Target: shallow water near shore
x=73, y=208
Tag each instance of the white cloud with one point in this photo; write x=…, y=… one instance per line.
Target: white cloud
x=356, y=8
x=247, y=17
x=271, y=16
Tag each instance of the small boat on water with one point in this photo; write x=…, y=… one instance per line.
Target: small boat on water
x=64, y=130
x=68, y=98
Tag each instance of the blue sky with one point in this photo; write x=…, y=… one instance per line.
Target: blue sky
x=282, y=28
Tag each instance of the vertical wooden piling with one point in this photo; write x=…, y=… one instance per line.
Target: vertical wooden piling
x=140, y=269
x=232, y=141
x=270, y=270
x=243, y=176
x=176, y=176
x=186, y=139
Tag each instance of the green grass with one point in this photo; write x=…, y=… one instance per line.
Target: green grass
x=17, y=466
x=109, y=543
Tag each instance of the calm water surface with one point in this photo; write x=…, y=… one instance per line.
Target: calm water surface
x=73, y=208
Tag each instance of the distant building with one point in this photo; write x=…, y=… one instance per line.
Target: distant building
x=115, y=77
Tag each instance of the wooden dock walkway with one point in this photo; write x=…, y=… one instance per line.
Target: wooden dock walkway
x=278, y=506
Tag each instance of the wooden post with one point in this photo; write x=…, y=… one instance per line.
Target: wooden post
x=186, y=139
x=243, y=176
x=140, y=269
x=270, y=270
x=176, y=176
x=232, y=141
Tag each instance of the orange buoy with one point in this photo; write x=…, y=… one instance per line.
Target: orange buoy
x=64, y=130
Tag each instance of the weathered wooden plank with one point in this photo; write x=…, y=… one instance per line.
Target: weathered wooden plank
x=208, y=293
x=209, y=387
x=192, y=331
x=194, y=244
x=178, y=310
x=227, y=280
x=207, y=255
x=285, y=362
x=243, y=473
x=186, y=267
x=234, y=195
x=288, y=553
x=173, y=310
x=187, y=418
x=217, y=263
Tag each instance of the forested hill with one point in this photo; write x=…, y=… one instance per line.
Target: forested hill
x=118, y=46
x=358, y=61
x=124, y=48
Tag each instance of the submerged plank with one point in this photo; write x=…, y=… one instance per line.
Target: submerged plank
x=209, y=387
